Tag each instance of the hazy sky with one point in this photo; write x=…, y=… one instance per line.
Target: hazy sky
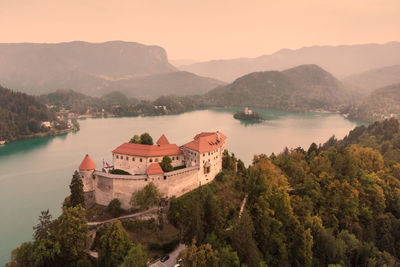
x=203, y=29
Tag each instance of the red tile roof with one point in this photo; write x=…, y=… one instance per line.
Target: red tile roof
x=154, y=168
x=162, y=140
x=147, y=150
x=206, y=141
x=87, y=164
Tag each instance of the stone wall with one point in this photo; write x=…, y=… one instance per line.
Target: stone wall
x=110, y=186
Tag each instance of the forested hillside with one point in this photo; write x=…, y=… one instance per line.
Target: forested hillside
x=381, y=104
x=336, y=204
x=303, y=88
x=22, y=115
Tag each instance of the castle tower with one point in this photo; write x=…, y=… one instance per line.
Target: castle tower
x=86, y=170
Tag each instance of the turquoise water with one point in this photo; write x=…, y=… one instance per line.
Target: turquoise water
x=35, y=173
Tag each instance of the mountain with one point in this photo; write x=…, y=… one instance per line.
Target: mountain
x=22, y=115
x=341, y=61
x=180, y=62
x=366, y=82
x=382, y=103
x=303, y=88
x=152, y=86
x=40, y=68
x=96, y=69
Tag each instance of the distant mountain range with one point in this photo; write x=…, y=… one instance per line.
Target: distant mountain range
x=365, y=82
x=96, y=69
x=341, y=61
x=303, y=88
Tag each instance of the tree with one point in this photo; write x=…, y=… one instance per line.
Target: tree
x=42, y=229
x=114, y=207
x=228, y=257
x=243, y=241
x=136, y=257
x=114, y=245
x=202, y=256
x=39, y=253
x=135, y=139
x=166, y=165
x=70, y=230
x=76, y=187
x=147, y=197
x=146, y=139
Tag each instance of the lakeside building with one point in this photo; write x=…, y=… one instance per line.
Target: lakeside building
x=197, y=162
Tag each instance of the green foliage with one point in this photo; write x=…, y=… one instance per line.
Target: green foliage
x=114, y=207
x=202, y=256
x=146, y=198
x=70, y=231
x=114, y=246
x=166, y=164
x=146, y=139
x=41, y=252
x=119, y=171
x=21, y=114
x=136, y=257
x=135, y=139
x=42, y=229
x=76, y=187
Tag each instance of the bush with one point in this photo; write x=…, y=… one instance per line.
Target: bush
x=166, y=165
x=147, y=197
x=114, y=207
x=119, y=171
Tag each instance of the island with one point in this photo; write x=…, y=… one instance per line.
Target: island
x=249, y=115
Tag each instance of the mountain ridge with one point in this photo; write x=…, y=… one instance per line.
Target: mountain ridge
x=341, y=60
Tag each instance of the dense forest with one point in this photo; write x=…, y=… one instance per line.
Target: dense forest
x=333, y=204
x=22, y=115
x=118, y=104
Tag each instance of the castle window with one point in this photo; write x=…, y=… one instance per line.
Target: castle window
x=165, y=177
x=117, y=157
x=204, y=155
x=209, y=153
x=156, y=160
x=177, y=158
x=173, y=158
x=151, y=160
x=133, y=159
x=127, y=158
x=141, y=159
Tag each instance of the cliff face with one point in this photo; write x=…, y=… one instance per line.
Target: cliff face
x=41, y=68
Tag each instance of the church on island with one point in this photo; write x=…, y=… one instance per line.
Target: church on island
x=195, y=163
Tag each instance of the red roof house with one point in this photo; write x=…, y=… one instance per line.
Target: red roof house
x=87, y=164
x=148, y=150
x=206, y=141
x=162, y=140
x=154, y=169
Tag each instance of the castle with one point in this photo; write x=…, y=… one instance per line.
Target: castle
x=195, y=163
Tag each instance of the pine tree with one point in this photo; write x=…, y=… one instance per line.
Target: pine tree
x=114, y=245
x=76, y=187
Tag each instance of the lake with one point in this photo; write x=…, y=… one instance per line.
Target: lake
x=35, y=173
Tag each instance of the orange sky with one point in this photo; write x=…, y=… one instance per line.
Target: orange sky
x=203, y=29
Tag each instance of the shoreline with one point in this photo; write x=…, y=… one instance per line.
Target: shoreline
x=40, y=135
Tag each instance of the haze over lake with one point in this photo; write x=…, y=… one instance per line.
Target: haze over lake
x=35, y=173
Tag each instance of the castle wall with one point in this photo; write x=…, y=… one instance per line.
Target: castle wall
x=110, y=186
x=182, y=181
